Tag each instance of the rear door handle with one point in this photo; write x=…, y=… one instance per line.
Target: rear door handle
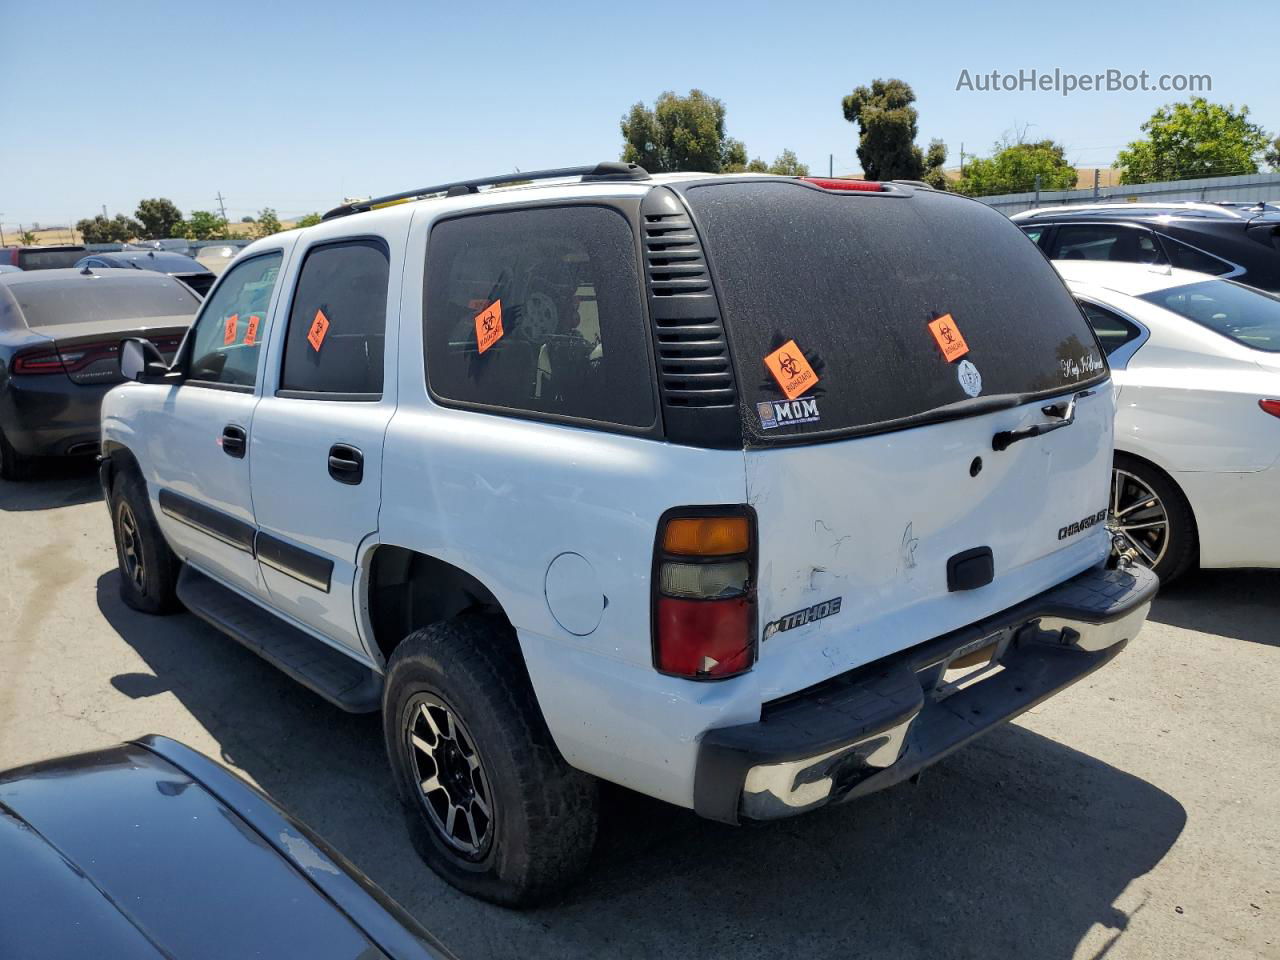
x=346, y=463
x=233, y=441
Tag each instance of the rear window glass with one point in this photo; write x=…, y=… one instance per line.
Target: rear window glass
x=81, y=299
x=1245, y=315
x=48, y=259
x=867, y=292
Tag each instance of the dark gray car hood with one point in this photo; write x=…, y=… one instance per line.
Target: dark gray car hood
x=121, y=853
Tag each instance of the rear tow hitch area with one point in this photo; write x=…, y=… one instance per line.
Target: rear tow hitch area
x=884, y=723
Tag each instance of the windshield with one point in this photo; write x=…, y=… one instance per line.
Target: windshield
x=1249, y=317
x=885, y=307
x=88, y=299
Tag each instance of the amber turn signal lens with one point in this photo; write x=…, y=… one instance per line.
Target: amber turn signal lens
x=707, y=536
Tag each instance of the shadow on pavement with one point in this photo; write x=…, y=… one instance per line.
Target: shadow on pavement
x=1242, y=604
x=1016, y=846
x=53, y=483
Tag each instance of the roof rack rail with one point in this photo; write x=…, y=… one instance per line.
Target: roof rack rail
x=609, y=170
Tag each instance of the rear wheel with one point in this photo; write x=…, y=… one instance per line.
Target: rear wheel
x=492, y=806
x=13, y=465
x=1151, y=518
x=148, y=568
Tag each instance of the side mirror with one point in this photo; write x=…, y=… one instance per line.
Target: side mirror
x=141, y=361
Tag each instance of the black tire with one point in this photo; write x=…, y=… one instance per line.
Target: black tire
x=544, y=813
x=148, y=568
x=1182, y=548
x=13, y=465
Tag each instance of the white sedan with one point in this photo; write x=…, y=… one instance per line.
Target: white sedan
x=1196, y=366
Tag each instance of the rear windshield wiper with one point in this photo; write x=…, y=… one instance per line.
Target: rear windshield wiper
x=1064, y=415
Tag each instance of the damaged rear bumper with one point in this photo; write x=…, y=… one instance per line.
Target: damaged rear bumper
x=882, y=723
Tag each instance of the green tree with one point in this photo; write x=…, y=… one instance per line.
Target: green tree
x=119, y=229
x=1272, y=155
x=159, y=218
x=310, y=220
x=203, y=225
x=268, y=223
x=756, y=165
x=28, y=239
x=788, y=165
x=934, y=160
x=681, y=133
x=248, y=218
x=1013, y=167
x=887, y=125
x=1196, y=139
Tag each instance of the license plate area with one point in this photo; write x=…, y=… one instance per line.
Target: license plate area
x=966, y=665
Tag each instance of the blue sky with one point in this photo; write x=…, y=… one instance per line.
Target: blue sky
x=295, y=105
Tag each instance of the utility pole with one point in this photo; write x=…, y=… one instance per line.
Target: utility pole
x=104, y=212
x=962, y=158
x=222, y=206
x=831, y=164
x=1097, y=176
x=1, y=230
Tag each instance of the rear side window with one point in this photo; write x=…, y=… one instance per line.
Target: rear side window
x=539, y=311
x=1189, y=258
x=1248, y=316
x=1112, y=330
x=1105, y=242
x=48, y=259
x=846, y=288
x=228, y=333
x=88, y=299
x=338, y=323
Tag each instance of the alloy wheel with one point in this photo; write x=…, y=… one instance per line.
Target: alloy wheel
x=452, y=784
x=1137, y=516
x=131, y=546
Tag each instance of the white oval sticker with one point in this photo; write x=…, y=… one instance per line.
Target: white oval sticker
x=970, y=378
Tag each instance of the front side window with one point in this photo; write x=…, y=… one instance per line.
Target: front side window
x=1033, y=234
x=539, y=311
x=228, y=334
x=1249, y=317
x=338, y=322
x=1105, y=242
x=1112, y=330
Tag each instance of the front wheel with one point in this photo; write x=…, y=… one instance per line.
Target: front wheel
x=1150, y=519
x=492, y=806
x=148, y=568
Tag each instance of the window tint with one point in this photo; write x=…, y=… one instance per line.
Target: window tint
x=338, y=322
x=1033, y=234
x=229, y=332
x=1247, y=316
x=48, y=259
x=1113, y=331
x=48, y=303
x=1189, y=258
x=856, y=281
x=553, y=297
x=1106, y=242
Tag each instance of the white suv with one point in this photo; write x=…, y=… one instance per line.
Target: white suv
x=748, y=493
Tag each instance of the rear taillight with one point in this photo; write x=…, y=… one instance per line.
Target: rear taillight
x=827, y=183
x=1270, y=406
x=66, y=359
x=704, y=610
x=31, y=362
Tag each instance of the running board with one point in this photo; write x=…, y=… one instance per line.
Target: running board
x=313, y=663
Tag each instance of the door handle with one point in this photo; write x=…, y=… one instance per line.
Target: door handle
x=346, y=463
x=233, y=441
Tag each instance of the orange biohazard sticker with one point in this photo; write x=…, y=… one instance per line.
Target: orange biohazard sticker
x=251, y=331
x=791, y=370
x=319, y=328
x=489, y=326
x=947, y=334
x=229, y=329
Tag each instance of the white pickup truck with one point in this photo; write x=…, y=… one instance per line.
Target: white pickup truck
x=748, y=493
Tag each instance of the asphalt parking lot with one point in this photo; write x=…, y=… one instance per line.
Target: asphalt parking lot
x=1136, y=815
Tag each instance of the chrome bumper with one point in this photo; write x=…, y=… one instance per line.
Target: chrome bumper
x=884, y=722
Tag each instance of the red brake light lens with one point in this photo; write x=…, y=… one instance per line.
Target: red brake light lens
x=32, y=362
x=1270, y=406
x=704, y=611
x=828, y=183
